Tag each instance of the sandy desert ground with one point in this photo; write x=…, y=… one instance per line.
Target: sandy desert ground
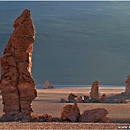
x=48, y=101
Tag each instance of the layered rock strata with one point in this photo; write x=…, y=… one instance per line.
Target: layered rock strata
x=17, y=85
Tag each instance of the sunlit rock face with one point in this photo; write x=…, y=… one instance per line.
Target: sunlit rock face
x=17, y=85
x=94, y=94
x=70, y=113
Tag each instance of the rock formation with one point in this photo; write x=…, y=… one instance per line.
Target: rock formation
x=86, y=99
x=121, y=100
x=45, y=118
x=79, y=99
x=63, y=100
x=95, y=115
x=17, y=85
x=103, y=97
x=127, y=89
x=48, y=85
x=0, y=84
x=71, y=97
x=94, y=94
x=70, y=113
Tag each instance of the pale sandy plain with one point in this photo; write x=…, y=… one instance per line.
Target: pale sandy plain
x=48, y=101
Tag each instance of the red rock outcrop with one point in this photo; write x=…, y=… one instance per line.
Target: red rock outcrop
x=95, y=115
x=71, y=97
x=48, y=85
x=70, y=113
x=79, y=99
x=94, y=94
x=103, y=97
x=47, y=117
x=17, y=85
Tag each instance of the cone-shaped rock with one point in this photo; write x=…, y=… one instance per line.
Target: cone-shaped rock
x=48, y=85
x=17, y=85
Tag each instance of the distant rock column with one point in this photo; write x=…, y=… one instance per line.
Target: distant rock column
x=17, y=85
x=127, y=89
x=94, y=94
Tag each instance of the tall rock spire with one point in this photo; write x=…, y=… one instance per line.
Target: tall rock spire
x=17, y=85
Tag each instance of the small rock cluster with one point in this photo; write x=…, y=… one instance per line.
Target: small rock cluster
x=45, y=118
x=94, y=97
x=71, y=113
x=47, y=85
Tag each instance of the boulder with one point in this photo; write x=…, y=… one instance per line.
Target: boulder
x=95, y=115
x=86, y=99
x=70, y=113
x=71, y=97
x=47, y=85
x=79, y=99
x=63, y=100
x=17, y=85
x=47, y=117
x=103, y=97
x=56, y=119
x=122, y=100
x=36, y=117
